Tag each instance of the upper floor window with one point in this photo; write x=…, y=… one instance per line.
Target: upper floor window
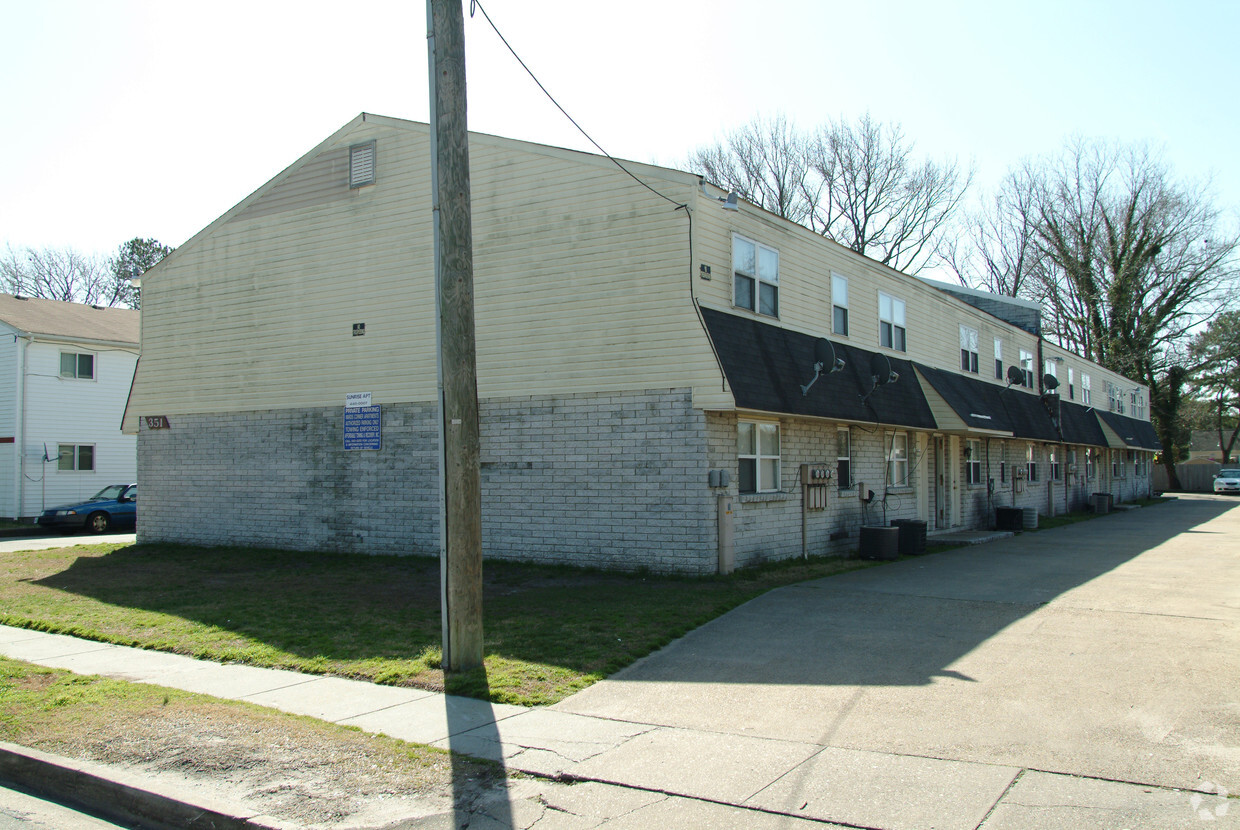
x=755, y=276
x=75, y=457
x=891, y=331
x=1138, y=404
x=1026, y=366
x=1049, y=368
x=897, y=460
x=968, y=349
x=757, y=450
x=998, y=359
x=839, y=305
x=75, y=365
x=1071, y=386
x=1086, y=394
x=973, y=462
x=1115, y=398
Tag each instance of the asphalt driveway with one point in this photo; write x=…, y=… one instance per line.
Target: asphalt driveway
x=1109, y=649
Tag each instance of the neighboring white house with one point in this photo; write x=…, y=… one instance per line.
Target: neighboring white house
x=65, y=373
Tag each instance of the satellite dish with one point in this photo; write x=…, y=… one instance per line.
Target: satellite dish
x=880, y=370
x=1015, y=375
x=1050, y=382
x=824, y=358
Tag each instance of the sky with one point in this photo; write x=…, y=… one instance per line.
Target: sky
x=150, y=118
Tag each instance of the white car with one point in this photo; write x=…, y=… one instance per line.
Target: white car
x=1227, y=481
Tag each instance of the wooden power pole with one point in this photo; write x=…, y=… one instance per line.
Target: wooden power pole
x=460, y=516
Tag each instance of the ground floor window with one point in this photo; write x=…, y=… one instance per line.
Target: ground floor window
x=1031, y=462
x=757, y=447
x=973, y=462
x=897, y=460
x=843, y=458
x=75, y=457
x=1117, y=463
x=1142, y=464
x=1053, y=458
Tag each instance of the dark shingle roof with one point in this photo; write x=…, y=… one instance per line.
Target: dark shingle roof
x=766, y=366
x=1132, y=432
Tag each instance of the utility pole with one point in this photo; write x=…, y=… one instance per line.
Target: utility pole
x=460, y=507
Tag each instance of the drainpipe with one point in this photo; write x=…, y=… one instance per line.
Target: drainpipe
x=19, y=492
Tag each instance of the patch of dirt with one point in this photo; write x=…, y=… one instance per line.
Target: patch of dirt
x=288, y=767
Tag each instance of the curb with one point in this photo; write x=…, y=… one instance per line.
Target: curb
x=120, y=796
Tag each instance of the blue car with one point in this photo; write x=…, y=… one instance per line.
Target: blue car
x=115, y=506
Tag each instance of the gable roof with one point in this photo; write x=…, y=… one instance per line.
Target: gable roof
x=69, y=321
x=1133, y=433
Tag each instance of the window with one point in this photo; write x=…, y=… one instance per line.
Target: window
x=80, y=366
x=1052, y=456
x=362, y=164
x=973, y=462
x=1002, y=463
x=1071, y=386
x=1138, y=404
x=998, y=359
x=1117, y=463
x=1026, y=366
x=1139, y=464
x=1090, y=456
x=755, y=276
x=897, y=461
x=1086, y=396
x=1031, y=463
x=891, y=329
x=968, y=349
x=1049, y=368
x=839, y=305
x=843, y=456
x=1072, y=462
x=757, y=446
x=75, y=457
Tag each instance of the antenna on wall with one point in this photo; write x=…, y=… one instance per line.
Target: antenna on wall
x=824, y=357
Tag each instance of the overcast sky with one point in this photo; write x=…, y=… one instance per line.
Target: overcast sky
x=124, y=118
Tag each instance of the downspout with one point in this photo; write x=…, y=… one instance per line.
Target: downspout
x=20, y=438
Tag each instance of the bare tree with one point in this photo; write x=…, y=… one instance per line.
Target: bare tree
x=998, y=252
x=1216, y=378
x=858, y=185
x=71, y=276
x=877, y=199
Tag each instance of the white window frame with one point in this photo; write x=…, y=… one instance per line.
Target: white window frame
x=843, y=458
x=75, y=372
x=1117, y=464
x=839, y=304
x=998, y=358
x=1071, y=385
x=1031, y=463
x=897, y=460
x=1086, y=392
x=968, y=349
x=757, y=280
x=1026, y=368
x=973, y=462
x=1052, y=458
x=1138, y=404
x=762, y=471
x=75, y=458
x=892, y=323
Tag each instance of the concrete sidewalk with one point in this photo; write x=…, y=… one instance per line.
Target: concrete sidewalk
x=1081, y=677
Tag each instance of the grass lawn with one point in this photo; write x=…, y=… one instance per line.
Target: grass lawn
x=548, y=631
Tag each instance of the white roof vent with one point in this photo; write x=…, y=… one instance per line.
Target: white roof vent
x=362, y=164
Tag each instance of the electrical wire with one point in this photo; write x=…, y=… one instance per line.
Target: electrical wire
x=475, y=4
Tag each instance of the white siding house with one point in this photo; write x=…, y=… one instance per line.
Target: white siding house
x=643, y=355
x=65, y=373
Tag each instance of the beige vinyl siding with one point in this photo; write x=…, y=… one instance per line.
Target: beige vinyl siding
x=581, y=284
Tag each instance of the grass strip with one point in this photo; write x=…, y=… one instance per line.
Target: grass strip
x=548, y=631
